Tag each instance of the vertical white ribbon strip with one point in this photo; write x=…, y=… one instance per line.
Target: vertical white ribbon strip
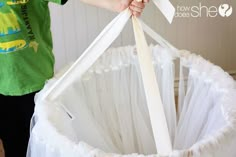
x=152, y=93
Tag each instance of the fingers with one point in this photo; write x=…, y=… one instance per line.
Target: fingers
x=137, y=7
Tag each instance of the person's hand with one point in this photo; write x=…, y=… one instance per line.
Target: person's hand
x=136, y=7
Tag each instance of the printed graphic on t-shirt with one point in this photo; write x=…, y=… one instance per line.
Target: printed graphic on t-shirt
x=12, y=36
x=13, y=2
x=8, y=23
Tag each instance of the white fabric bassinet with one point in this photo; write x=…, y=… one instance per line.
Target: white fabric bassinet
x=103, y=111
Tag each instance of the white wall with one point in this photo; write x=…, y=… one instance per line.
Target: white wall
x=75, y=25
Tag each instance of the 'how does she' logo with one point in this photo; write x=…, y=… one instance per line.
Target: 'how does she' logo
x=225, y=10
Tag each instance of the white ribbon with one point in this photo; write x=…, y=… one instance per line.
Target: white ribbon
x=166, y=8
x=152, y=93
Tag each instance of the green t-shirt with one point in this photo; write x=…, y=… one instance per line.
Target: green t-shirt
x=26, y=57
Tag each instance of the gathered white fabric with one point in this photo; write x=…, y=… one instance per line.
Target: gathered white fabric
x=102, y=110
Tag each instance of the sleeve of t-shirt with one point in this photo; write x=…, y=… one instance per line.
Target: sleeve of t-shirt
x=58, y=1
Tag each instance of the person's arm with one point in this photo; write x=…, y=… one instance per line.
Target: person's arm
x=119, y=5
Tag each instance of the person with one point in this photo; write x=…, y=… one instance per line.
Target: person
x=27, y=62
